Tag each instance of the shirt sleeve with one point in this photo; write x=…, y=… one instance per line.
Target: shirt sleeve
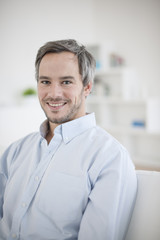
x=111, y=200
x=5, y=162
x=3, y=180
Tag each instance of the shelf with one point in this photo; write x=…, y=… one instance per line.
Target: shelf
x=121, y=107
x=113, y=100
x=134, y=131
x=111, y=71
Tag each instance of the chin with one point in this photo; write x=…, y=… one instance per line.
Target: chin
x=59, y=120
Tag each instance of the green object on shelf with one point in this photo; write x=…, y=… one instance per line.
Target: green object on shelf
x=29, y=92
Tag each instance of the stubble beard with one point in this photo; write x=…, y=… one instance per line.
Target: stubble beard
x=68, y=116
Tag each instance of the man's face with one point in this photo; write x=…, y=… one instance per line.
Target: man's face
x=60, y=89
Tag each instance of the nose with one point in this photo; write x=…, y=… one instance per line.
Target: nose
x=55, y=90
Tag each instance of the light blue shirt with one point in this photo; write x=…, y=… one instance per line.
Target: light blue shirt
x=80, y=186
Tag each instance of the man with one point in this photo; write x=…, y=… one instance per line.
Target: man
x=72, y=180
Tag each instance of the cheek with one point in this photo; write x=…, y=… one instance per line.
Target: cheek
x=70, y=94
x=79, y=97
x=41, y=93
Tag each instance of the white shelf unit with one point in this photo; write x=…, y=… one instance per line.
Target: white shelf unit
x=119, y=109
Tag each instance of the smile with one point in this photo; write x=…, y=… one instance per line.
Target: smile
x=56, y=104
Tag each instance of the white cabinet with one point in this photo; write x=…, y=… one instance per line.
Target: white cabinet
x=120, y=110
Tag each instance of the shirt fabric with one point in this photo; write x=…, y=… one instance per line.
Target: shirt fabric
x=82, y=185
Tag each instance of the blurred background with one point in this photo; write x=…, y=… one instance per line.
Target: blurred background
x=124, y=37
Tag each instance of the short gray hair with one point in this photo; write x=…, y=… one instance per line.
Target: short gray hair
x=86, y=61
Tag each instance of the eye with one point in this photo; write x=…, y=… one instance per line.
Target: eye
x=45, y=82
x=67, y=82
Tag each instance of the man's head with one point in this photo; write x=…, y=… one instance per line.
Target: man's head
x=64, y=72
x=86, y=61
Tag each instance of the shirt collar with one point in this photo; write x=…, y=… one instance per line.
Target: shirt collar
x=71, y=129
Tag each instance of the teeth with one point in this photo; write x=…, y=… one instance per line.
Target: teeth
x=55, y=104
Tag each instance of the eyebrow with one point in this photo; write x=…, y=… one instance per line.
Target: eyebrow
x=44, y=77
x=61, y=78
x=67, y=77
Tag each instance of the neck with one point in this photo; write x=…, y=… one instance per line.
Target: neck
x=50, y=134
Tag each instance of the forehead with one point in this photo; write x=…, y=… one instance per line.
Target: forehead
x=62, y=58
x=58, y=65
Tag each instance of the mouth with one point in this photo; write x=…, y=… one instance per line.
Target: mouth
x=56, y=106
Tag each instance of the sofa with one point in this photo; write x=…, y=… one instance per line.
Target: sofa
x=145, y=221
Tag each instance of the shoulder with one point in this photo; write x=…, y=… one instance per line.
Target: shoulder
x=111, y=158
x=108, y=150
x=21, y=146
x=105, y=140
x=28, y=140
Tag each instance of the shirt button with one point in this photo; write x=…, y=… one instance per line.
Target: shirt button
x=36, y=178
x=14, y=235
x=24, y=204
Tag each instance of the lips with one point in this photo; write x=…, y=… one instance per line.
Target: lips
x=56, y=105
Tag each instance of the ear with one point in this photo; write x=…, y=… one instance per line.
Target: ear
x=87, y=89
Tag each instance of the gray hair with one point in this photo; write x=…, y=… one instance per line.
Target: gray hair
x=86, y=61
